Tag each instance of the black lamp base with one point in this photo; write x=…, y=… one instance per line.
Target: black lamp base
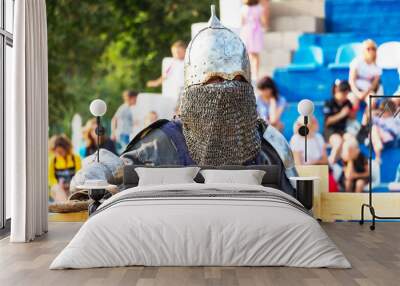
x=305, y=193
x=96, y=195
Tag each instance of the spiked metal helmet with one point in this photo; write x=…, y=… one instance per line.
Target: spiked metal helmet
x=219, y=118
x=215, y=51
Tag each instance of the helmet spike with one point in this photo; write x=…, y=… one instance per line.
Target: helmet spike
x=214, y=21
x=213, y=11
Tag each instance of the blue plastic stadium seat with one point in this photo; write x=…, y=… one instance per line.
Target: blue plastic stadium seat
x=390, y=162
x=289, y=116
x=307, y=58
x=345, y=54
x=357, y=15
x=390, y=81
x=295, y=85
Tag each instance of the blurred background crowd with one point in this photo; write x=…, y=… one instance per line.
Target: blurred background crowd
x=118, y=58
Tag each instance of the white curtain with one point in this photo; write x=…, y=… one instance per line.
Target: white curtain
x=27, y=123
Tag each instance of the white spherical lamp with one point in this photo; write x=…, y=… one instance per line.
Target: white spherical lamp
x=98, y=107
x=306, y=107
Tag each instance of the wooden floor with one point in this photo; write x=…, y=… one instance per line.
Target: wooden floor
x=375, y=257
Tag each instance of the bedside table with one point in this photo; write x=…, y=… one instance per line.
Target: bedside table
x=305, y=190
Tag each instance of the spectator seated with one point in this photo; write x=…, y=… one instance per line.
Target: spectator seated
x=307, y=58
x=345, y=54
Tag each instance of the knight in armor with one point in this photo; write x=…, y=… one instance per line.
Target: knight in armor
x=218, y=123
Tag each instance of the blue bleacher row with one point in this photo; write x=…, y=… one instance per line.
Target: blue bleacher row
x=311, y=76
x=369, y=16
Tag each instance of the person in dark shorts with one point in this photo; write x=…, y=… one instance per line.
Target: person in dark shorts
x=355, y=166
x=337, y=111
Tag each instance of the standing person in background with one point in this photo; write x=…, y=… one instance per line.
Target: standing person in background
x=173, y=75
x=337, y=111
x=365, y=75
x=316, y=147
x=63, y=164
x=90, y=137
x=270, y=105
x=254, y=15
x=122, y=122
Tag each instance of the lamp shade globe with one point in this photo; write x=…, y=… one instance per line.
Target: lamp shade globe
x=98, y=107
x=305, y=107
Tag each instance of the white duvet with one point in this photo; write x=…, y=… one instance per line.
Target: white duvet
x=188, y=231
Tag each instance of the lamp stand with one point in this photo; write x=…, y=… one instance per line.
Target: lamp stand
x=99, y=132
x=370, y=205
x=303, y=131
x=305, y=137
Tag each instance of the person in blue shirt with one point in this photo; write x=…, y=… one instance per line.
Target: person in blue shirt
x=270, y=105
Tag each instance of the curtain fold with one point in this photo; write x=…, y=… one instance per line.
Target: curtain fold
x=27, y=123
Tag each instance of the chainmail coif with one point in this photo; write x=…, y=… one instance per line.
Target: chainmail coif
x=220, y=123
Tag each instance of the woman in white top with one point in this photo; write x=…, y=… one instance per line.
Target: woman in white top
x=365, y=75
x=316, y=146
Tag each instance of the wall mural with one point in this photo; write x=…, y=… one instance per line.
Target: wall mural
x=216, y=110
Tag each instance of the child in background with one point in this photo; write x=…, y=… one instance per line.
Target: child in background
x=316, y=147
x=385, y=128
x=150, y=118
x=174, y=73
x=356, y=169
x=337, y=111
x=63, y=164
x=122, y=122
x=270, y=105
x=254, y=15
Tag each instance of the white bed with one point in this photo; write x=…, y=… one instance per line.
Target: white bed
x=224, y=225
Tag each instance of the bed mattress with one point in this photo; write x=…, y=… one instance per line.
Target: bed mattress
x=201, y=225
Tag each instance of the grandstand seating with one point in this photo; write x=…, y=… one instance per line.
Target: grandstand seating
x=362, y=16
x=346, y=22
x=322, y=58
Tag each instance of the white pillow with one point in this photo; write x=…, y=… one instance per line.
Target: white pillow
x=166, y=176
x=248, y=177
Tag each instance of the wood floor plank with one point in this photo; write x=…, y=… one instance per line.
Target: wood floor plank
x=375, y=257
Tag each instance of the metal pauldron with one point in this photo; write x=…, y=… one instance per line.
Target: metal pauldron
x=281, y=146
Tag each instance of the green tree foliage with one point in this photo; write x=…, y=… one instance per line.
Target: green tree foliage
x=99, y=48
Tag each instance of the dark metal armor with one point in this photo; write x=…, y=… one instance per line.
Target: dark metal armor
x=163, y=143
